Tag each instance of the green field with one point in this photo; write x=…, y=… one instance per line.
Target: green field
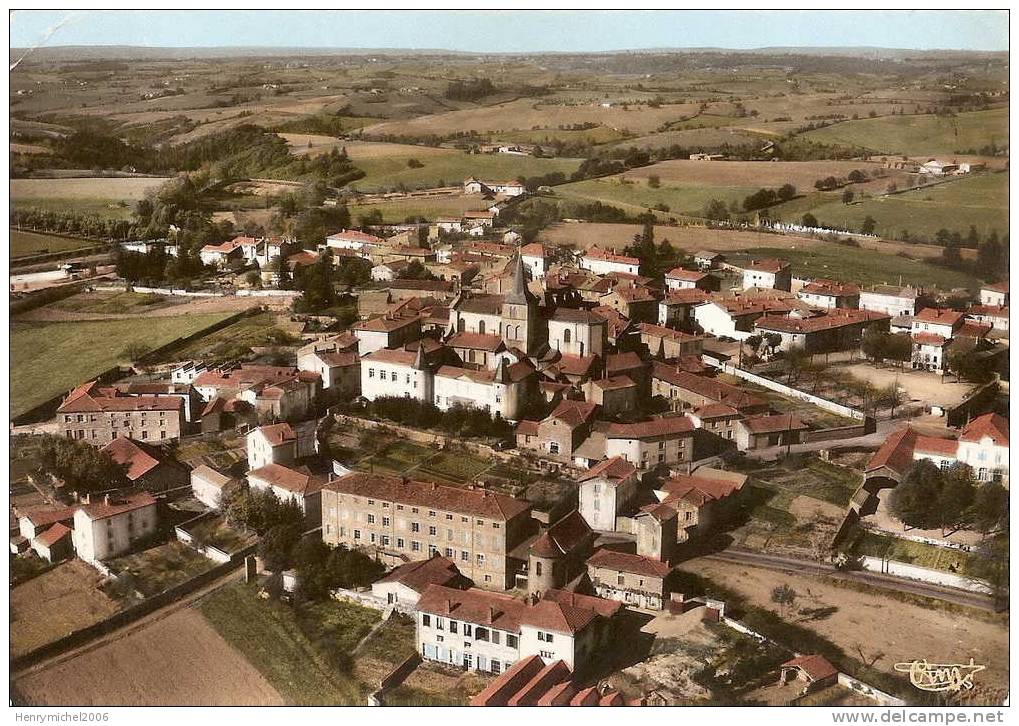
x=154, y=570
x=235, y=340
x=865, y=267
x=430, y=208
x=98, y=207
x=980, y=201
x=24, y=244
x=293, y=651
x=914, y=553
x=117, y=303
x=927, y=134
x=48, y=358
x=597, y=135
x=450, y=169
x=636, y=197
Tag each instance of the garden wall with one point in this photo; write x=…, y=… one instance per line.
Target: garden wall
x=924, y=574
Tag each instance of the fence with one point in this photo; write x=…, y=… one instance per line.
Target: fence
x=822, y=403
x=924, y=574
x=865, y=689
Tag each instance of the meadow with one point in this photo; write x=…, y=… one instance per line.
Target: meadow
x=49, y=358
x=399, y=210
x=25, y=244
x=865, y=267
x=917, y=135
x=980, y=201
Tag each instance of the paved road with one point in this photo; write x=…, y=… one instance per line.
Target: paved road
x=876, y=579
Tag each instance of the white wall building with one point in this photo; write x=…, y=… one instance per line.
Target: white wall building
x=602, y=262
x=110, y=527
x=396, y=373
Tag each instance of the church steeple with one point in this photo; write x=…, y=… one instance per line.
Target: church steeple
x=519, y=294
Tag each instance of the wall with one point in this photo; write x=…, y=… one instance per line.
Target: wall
x=822, y=403
x=859, y=686
x=924, y=574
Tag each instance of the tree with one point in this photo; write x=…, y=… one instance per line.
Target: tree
x=847, y=196
x=989, y=510
x=914, y=500
x=809, y=220
x=277, y=546
x=971, y=366
x=134, y=351
x=715, y=209
x=654, y=181
x=785, y=597
x=786, y=192
x=869, y=225
x=414, y=164
x=955, y=498
x=857, y=175
x=415, y=271
x=82, y=467
x=253, y=279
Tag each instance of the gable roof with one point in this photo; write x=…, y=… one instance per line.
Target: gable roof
x=103, y=508
x=277, y=434
x=137, y=458
x=628, y=562
x=53, y=535
x=991, y=425
x=419, y=574
x=817, y=667
x=573, y=413
x=562, y=537
x=292, y=480
x=614, y=470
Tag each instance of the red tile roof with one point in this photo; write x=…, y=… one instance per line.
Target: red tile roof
x=627, y=562
x=817, y=667
x=896, y=452
x=936, y=445
x=615, y=470
x=500, y=690
x=138, y=459
x=772, y=423
x=602, y=606
x=573, y=413
x=680, y=273
x=990, y=424
x=929, y=339
x=576, y=365
x=101, y=509
x=598, y=254
x=698, y=490
x=831, y=288
x=503, y=612
x=277, y=434
x=997, y=286
x=831, y=320
x=940, y=317
x=652, y=428
x=297, y=482
x=562, y=537
x=53, y=535
x=45, y=517
x=418, y=575
x=686, y=296
x=661, y=331
x=354, y=235
x=770, y=265
x=476, y=341
x=475, y=502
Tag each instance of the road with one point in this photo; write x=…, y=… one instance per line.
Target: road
x=875, y=579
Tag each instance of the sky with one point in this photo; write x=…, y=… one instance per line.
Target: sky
x=514, y=31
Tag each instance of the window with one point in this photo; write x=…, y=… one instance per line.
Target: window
x=449, y=517
x=566, y=336
x=496, y=637
x=546, y=654
x=431, y=531
x=449, y=553
x=481, y=560
x=413, y=510
x=399, y=543
x=496, y=667
x=415, y=527
x=512, y=641
x=537, y=569
x=452, y=626
x=371, y=502
x=371, y=519
x=385, y=521
x=495, y=525
x=481, y=634
x=440, y=624
x=357, y=534
x=431, y=512
x=415, y=546
x=385, y=540
x=620, y=579
x=426, y=620
x=465, y=556
x=371, y=372
x=464, y=520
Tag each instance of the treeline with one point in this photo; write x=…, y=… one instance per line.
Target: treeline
x=460, y=420
x=469, y=90
x=72, y=223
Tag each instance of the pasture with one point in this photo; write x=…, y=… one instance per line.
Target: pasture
x=178, y=660
x=862, y=266
x=26, y=244
x=979, y=200
x=83, y=188
x=400, y=209
x=49, y=358
x=926, y=134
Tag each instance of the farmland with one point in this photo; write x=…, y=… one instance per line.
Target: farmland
x=865, y=267
x=48, y=358
x=400, y=209
x=980, y=201
x=25, y=244
x=926, y=134
x=54, y=603
x=179, y=660
x=103, y=196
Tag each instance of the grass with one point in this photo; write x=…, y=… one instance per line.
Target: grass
x=865, y=267
x=399, y=210
x=913, y=553
x=25, y=244
x=49, y=358
x=452, y=168
x=926, y=134
x=25, y=567
x=98, y=207
x=392, y=643
x=219, y=534
x=396, y=457
x=158, y=568
x=117, y=303
x=235, y=340
x=269, y=635
x=980, y=200
x=456, y=467
x=636, y=197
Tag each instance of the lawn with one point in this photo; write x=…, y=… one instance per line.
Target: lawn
x=24, y=244
x=153, y=570
x=451, y=168
x=396, y=458
x=914, y=553
x=926, y=134
x=979, y=200
x=216, y=532
x=273, y=640
x=392, y=643
x=48, y=358
x=235, y=340
x=862, y=266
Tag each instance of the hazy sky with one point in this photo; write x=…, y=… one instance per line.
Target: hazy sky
x=513, y=31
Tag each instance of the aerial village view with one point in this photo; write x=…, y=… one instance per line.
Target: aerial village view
x=430, y=359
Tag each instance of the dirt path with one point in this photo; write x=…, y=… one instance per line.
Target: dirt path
x=179, y=660
x=886, y=630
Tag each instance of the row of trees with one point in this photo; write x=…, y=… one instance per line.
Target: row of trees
x=82, y=467
x=930, y=498
x=461, y=420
